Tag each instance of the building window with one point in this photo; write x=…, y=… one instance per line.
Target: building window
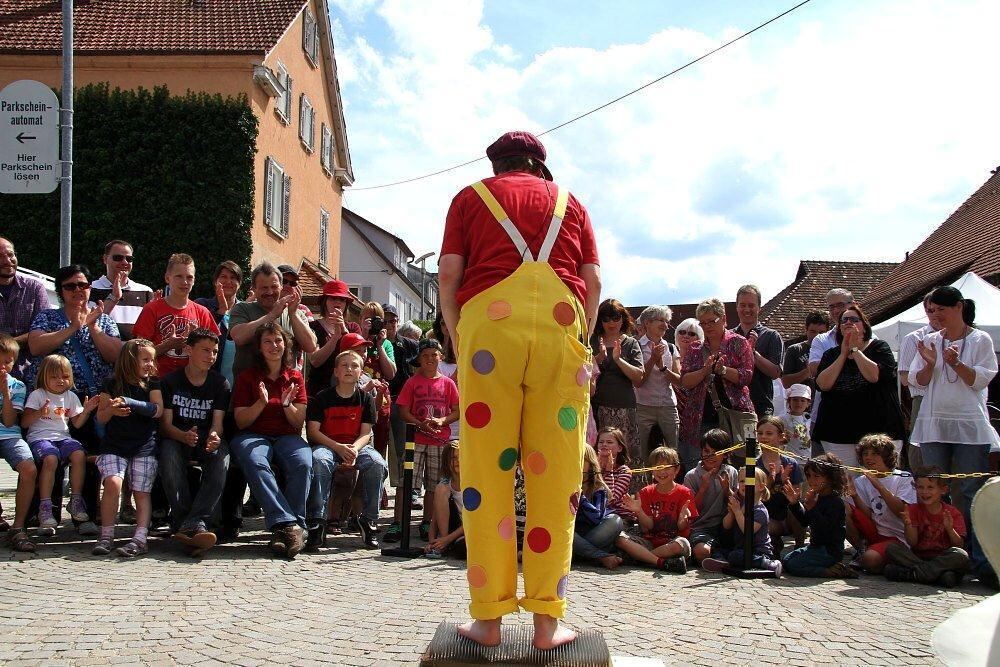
x=362, y=292
x=283, y=105
x=324, y=237
x=325, y=154
x=277, y=197
x=307, y=122
x=310, y=36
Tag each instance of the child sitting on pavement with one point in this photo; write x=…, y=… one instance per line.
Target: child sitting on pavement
x=596, y=528
x=615, y=472
x=823, y=512
x=664, y=511
x=447, y=535
x=876, y=502
x=12, y=447
x=935, y=533
x=771, y=435
x=736, y=519
x=712, y=482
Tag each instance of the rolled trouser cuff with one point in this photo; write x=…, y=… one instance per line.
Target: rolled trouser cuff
x=553, y=608
x=486, y=611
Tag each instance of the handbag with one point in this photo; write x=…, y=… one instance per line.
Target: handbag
x=738, y=424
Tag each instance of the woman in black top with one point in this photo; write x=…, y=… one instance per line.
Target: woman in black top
x=860, y=397
x=618, y=366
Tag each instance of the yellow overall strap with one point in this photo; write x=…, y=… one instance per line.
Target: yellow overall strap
x=497, y=210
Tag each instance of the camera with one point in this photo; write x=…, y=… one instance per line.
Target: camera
x=377, y=325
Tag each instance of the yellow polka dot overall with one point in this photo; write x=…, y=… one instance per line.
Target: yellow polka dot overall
x=524, y=376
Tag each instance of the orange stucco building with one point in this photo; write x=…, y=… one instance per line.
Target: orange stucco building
x=279, y=53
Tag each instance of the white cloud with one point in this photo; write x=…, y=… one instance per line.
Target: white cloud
x=851, y=140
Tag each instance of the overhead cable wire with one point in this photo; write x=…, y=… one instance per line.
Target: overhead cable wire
x=603, y=106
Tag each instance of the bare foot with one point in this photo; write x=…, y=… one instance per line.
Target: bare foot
x=484, y=633
x=549, y=634
x=611, y=561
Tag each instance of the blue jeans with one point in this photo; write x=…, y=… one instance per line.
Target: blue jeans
x=186, y=514
x=758, y=561
x=808, y=561
x=594, y=544
x=950, y=457
x=255, y=453
x=372, y=470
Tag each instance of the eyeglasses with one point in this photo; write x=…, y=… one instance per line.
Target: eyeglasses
x=118, y=258
x=72, y=287
x=685, y=332
x=850, y=318
x=289, y=282
x=706, y=323
x=611, y=318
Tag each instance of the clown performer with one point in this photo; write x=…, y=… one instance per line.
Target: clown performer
x=520, y=284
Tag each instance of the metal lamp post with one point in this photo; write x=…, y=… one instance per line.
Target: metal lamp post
x=423, y=280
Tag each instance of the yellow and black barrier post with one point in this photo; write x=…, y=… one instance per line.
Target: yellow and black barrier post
x=404, y=550
x=749, y=501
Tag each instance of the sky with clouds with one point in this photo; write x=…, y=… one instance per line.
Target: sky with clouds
x=847, y=130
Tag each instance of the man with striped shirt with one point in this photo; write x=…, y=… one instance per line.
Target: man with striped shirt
x=123, y=298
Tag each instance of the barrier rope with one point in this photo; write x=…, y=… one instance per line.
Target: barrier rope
x=721, y=452
x=877, y=473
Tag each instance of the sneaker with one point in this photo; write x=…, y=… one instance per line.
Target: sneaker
x=127, y=515
x=159, y=527
x=417, y=501
x=369, y=533
x=333, y=527
x=88, y=529
x=776, y=567
x=840, y=571
x=425, y=530
x=293, y=538
x=950, y=579
x=895, y=572
x=46, y=522
x=103, y=547
x=277, y=543
x=677, y=564
x=196, y=538
x=393, y=534
x=433, y=554
x=132, y=549
x=317, y=537
x=714, y=564
x=77, y=509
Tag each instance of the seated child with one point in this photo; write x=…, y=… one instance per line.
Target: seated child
x=447, y=535
x=712, y=482
x=823, y=512
x=797, y=421
x=596, y=528
x=736, y=518
x=875, y=502
x=617, y=476
x=13, y=449
x=771, y=431
x=47, y=415
x=935, y=532
x=131, y=404
x=664, y=511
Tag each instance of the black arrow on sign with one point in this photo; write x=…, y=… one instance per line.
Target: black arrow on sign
x=21, y=138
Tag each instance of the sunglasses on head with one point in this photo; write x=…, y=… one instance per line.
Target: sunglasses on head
x=613, y=317
x=118, y=258
x=72, y=287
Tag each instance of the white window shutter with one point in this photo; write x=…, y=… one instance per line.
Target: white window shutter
x=268, y=191
x=288, y=99
x=303, y=117
x=324, y=237
x=312, y=128
x=307, y=31
x=285, y=217
x=324, y=147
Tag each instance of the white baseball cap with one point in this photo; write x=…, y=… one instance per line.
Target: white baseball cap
x=799, y=391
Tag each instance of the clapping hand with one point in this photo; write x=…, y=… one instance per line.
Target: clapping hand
x=212, y=442
x=752, y=339
x=294, y=295
x=734, y=505
x=927, y=352
x=280, y=304
x=176, y=338
x=905, y=516
x=946, y=519
x=93, y=314
x=118, y=285
x=811, y=498
x=262, y=393
x=335, y=319
x=602, y=351
x=119, y=408
x=44, y=410
x=790, y=493
x=616, y=350
x=191, y=436
x=656, y=353
x=225, y=303
x=289, y=394
x=950, y=355
x=632, y=503
x=91, y=403
x=685, y=513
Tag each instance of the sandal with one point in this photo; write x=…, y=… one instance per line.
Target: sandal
x=103, y=547
x=132, y=549
x=19, y=541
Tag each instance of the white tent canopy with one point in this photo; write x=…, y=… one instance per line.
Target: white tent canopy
x=986, y=296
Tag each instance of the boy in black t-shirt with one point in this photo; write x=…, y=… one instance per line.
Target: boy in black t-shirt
x=339, y=424
x=195, y=399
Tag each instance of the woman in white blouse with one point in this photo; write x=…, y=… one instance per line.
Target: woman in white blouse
x=954, y=365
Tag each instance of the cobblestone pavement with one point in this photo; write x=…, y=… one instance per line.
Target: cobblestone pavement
x=350, y=606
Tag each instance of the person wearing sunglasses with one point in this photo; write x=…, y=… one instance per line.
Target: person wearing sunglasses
x=858, y=381
x=618, y=357
x=123, y=298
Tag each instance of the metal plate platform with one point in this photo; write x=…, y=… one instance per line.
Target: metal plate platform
x=448, y=649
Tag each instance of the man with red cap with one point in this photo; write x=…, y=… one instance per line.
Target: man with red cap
x=520, y=285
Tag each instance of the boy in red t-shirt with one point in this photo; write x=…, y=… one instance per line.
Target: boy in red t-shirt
x=168, y=321
x=430, y=401
x=664, y=511
x=935, y=532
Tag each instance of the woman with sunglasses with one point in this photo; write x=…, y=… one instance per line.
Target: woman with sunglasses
x=860, y=397
x=83, y=334
x=618, y=359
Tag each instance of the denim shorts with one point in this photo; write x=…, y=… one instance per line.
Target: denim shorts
x=14, y=451
x=141, y=470
x=61, y=449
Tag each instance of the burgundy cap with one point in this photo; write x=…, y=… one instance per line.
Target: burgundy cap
x=338, y=290
x=521, y=143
